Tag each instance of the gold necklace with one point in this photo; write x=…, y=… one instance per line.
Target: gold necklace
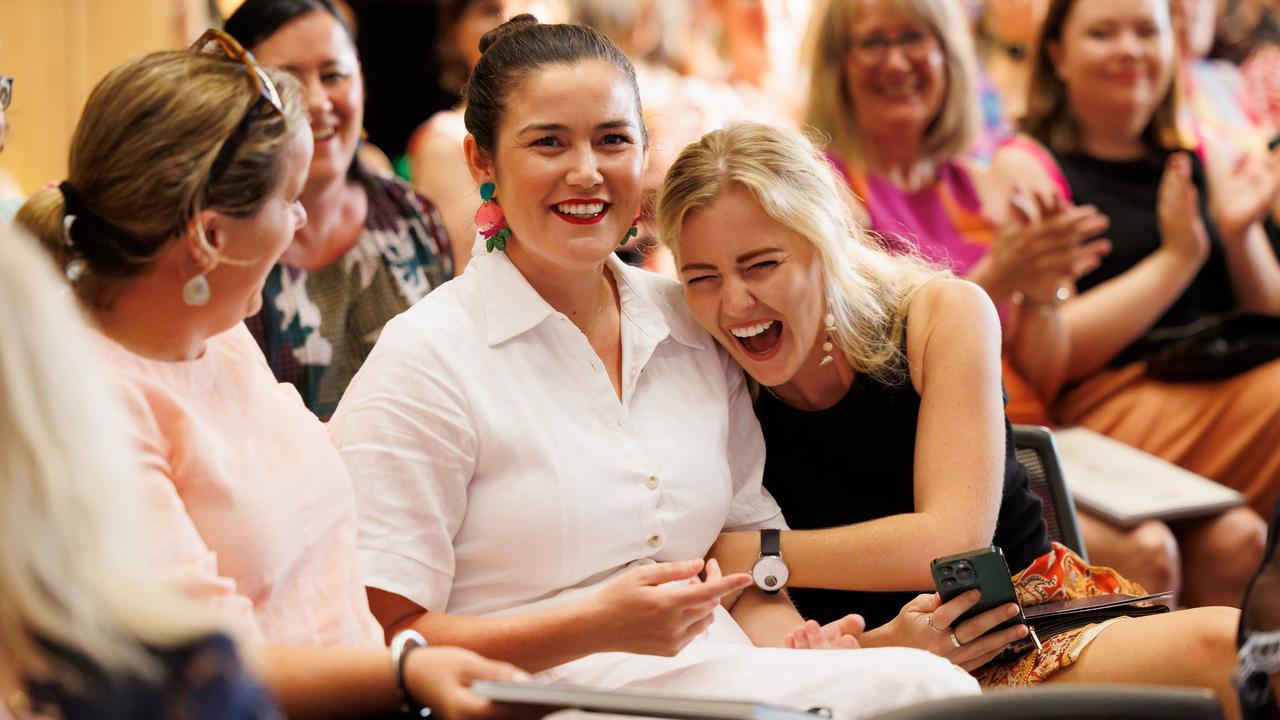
x=595, y=318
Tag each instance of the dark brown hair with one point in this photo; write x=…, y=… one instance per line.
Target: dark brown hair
x=519, y=47
x=256, y=20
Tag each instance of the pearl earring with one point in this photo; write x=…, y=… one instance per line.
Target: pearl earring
x=195, y=292
x=827, y=345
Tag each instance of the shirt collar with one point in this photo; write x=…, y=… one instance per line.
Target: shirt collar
x=655, y=304
x=511, y=305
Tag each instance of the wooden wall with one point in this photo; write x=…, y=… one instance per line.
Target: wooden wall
x=56, y=50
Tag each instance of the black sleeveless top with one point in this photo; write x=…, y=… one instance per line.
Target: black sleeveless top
x=854, y=462
x=1126, y=193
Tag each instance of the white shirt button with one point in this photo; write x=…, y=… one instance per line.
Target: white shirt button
x=652, y=482
x=655, y=541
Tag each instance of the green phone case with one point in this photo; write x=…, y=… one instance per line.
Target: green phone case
x=984, y=569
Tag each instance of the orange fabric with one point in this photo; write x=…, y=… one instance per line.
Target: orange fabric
x=1024, y=407
x=1057, y=575
x=1227, y=430
x=971, y=225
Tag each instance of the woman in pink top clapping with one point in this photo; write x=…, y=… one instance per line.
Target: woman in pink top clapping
x=185, y=173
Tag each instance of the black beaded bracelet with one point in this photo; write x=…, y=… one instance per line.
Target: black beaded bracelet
x=401, y=645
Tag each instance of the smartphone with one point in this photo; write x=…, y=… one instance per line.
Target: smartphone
x=983, y=569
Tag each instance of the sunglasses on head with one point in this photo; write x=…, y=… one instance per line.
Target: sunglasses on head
x=261, y=82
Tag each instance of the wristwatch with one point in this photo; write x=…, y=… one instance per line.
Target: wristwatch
x=770, y=572
x=403, y=642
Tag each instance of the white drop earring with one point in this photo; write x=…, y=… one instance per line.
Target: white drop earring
x=827, y=345
x=195, y=292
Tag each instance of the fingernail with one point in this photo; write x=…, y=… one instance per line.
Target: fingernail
x=521, y=676
x=1011, y=610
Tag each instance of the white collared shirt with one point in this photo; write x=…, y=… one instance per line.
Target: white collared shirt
x=495, y=468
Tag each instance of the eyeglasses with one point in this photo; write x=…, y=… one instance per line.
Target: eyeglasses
x=6, y=91
x=261, y=83
x=872, y=49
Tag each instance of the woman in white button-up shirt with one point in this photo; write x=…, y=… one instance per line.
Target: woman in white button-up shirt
x=545, y=448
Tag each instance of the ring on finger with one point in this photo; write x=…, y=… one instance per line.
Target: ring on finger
x=928, y=620
x=955, y=642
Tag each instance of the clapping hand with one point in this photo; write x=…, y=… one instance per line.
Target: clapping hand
x=1182, y=229
x=1044, y=244
x=1245, y=194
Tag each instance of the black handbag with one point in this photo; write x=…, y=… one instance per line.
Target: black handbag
x=1213, y=348
x=1055, y=618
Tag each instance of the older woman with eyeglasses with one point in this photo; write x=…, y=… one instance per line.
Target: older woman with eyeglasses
x=893, y=86
x=185, y=176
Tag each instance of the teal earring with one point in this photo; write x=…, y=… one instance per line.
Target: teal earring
x=490, y=220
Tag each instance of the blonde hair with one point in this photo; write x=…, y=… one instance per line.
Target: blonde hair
x=1049, y=117
x=867, y=290
x=830, y=109
x=141, y=157
x=73, y=559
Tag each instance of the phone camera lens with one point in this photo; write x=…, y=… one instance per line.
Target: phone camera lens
x=948, y=583
x=946, y=571
x=964, y=574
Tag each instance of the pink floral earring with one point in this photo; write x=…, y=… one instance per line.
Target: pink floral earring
x=490, y=220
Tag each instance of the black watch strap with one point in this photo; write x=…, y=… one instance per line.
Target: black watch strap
x=771, y=542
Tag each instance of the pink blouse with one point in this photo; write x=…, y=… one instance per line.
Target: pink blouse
x=255, y=508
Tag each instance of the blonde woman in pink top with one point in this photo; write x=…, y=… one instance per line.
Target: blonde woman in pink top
x=185, y=173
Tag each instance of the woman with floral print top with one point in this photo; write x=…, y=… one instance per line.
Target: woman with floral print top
x=316, y=327
x=372, y=246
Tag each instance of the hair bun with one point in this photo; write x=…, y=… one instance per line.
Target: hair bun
x=510, y=27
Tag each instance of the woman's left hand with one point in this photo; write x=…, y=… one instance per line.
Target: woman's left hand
x=1245, y=194
x=926, y=623
x=841, y=634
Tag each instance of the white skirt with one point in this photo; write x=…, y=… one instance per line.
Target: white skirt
x=722, y=663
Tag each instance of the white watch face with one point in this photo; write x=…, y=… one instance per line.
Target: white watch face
x=769, y=573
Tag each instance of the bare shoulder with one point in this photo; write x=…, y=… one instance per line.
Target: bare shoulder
x=440, y=137
x=1016, y=162
x=950, y=318
x=447, y=124
x=949, y=300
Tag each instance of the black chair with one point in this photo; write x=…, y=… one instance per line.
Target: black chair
x=1259, y=623
x=1036, y=450
x=1060, y=702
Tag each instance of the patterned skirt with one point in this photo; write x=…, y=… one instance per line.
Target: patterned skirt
x=1057, y=575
